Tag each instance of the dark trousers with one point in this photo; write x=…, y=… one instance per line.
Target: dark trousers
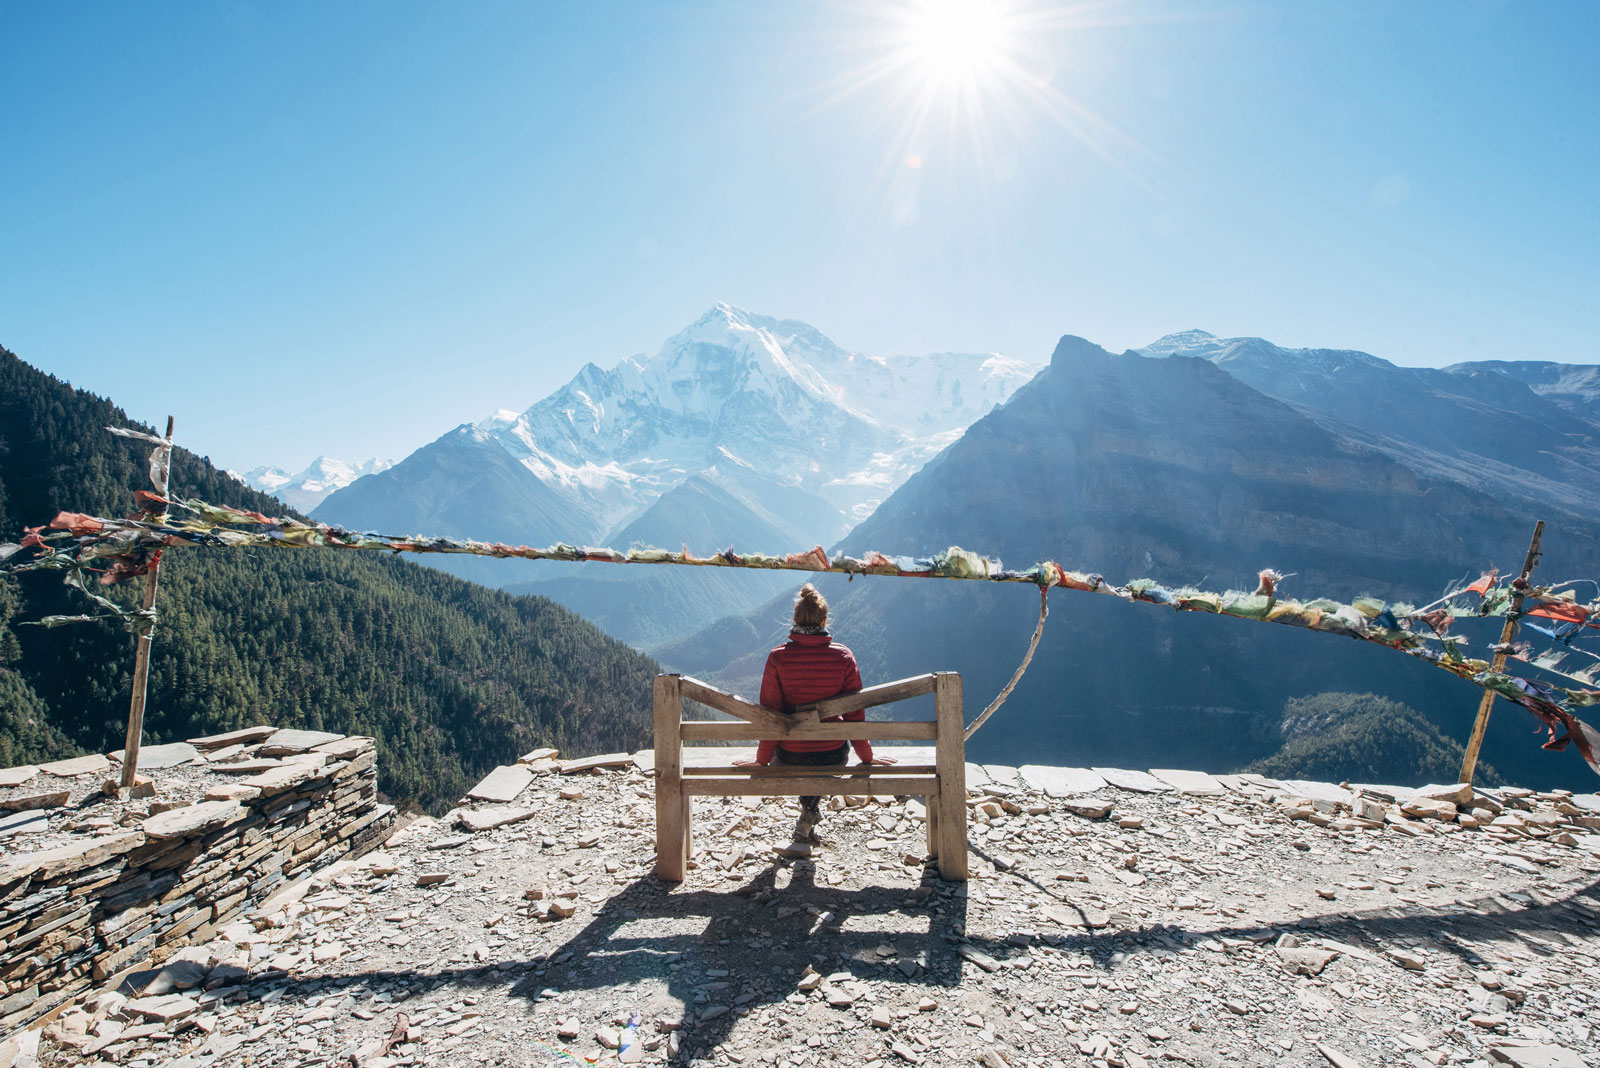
x=840, y=755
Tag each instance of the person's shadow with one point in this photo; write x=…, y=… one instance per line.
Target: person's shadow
x=727, y=953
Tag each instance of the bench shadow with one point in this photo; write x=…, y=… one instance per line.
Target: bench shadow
x=724, y=954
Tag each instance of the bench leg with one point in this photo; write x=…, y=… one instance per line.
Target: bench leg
x=672, y=805
x=951, y=759
x=932, y=802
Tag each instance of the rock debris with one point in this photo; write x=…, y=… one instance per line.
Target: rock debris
x=1162, y=918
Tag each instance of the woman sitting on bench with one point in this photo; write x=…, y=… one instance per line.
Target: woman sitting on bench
x=811, y=667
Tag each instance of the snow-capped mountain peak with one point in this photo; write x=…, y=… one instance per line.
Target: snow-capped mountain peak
x=766, y=402
x=307, y=488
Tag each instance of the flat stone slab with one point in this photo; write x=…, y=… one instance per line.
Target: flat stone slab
x=1061, y=782
x=277, y=780
x=64, y=860
x=1135, y=781
x=247, y=767
x=644, y=760
x=977, y=778
x=1378, y=791
x=157, y=757
x=534, y=756
x=288, y=740
x=345, y=748
x=605, y=760
x=1261, y=780
x=1587, y=802
x=487, y=819
x=1002, y=775
x=190, y=820
x=23, y=822
x=93, y=764
x=163, y=1009
x=502, y=784
x=1319, y=791
x=232, y=792
x=1189, y=782
x=243, y=736
x=1536, y=1056
x=18, y=775
x=1457, y=793
x=30, y=802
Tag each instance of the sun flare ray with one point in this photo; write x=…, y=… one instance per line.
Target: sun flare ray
x=980, y=74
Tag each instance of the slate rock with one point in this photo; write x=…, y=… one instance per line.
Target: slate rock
x=18, y=775
x=33, y=802
x=286, y=741
x=23, y=822
x=502, y=784
x=191, y=820
x=1189, y=782
x=1132, y=781
x=159, y=757
x=487, y=819
x=1536, y=1056
x=93, y=764
x=239, y=737
x=1061, y=782
x=277, y=780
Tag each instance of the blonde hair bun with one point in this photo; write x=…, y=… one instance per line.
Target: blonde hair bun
x=810, y=607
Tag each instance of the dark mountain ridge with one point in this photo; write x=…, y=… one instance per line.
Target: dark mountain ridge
x=1522, y=436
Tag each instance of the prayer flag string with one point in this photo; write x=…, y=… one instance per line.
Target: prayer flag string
x=118, y=549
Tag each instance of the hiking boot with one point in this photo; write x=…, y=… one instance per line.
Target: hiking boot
x=805, y=825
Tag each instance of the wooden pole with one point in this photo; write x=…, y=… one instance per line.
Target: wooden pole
x=141, y=662
x=1469, y=762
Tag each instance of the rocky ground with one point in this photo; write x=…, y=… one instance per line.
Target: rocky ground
x=1243, y=923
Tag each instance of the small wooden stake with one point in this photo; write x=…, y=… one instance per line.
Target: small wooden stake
x=1469, y=763
x=141, y=662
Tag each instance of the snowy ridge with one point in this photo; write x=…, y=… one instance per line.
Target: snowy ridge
x=307, y=488
x=774, y=397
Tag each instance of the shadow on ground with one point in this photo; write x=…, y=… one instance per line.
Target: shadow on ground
x=723, y=953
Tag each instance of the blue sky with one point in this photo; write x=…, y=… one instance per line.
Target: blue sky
x=345, y=228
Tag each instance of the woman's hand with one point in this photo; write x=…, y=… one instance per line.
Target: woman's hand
x=883, y=760
x=747, y=764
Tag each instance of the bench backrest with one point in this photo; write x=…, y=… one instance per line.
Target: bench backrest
x=943, y=783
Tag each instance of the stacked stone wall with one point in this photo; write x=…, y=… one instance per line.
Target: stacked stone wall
x=84, y=914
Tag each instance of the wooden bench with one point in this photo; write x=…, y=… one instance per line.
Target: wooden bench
x=942, y=784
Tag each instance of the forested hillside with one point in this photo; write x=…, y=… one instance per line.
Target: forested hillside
x=1361, y=737
x=450, y=678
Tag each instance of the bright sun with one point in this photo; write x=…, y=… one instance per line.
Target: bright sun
x=964, y=80
x=957, y=39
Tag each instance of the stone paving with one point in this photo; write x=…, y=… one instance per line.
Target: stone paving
x=1161, y=916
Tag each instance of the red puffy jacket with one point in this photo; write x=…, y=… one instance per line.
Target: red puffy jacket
x=807, y=668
